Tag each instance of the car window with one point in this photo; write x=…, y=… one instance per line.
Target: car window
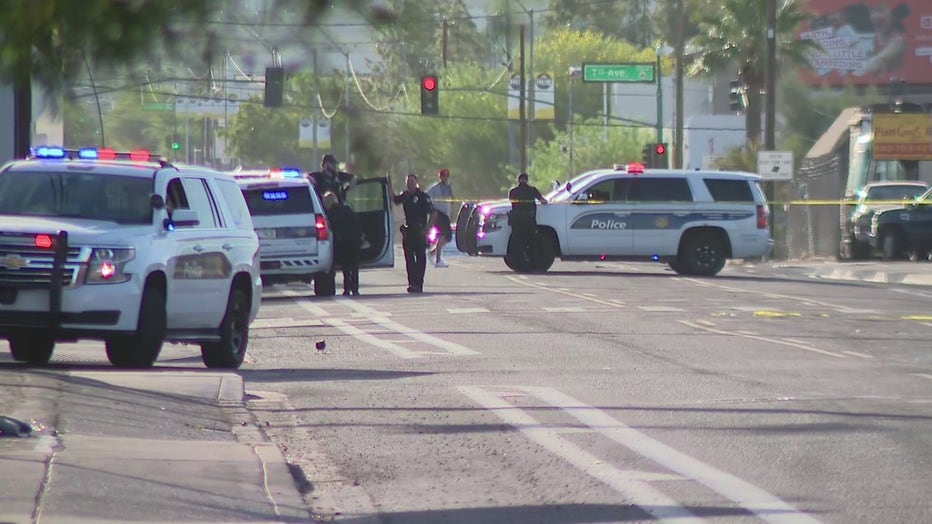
x=366, y=197
x=236, y=203
x=724, y=190
x=601, y=192
x=177, y=199
x=659, y=190
x=894, y=192
x=275, y=200
x=200, y=201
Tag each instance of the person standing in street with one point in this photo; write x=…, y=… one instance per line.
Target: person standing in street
x=346, y=239
x=329, y=178
x=523, y=217
x=441, y=194
x=419, y=218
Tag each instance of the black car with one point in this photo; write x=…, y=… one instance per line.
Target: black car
x=904, y=230
x=856, y=219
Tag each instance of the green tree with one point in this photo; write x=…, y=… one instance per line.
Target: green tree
x=129, y=127
x=735, y=36
x=628, y=21
x=81, y=124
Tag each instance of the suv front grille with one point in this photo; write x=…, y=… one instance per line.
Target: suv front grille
x=22, y=265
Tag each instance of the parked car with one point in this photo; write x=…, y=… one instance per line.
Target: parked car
x=871, y=198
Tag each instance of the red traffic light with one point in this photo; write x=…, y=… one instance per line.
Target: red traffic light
x=429, y=83
x=660, y=149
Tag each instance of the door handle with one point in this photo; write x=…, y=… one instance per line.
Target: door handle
x=198, y=248
x=227, y=247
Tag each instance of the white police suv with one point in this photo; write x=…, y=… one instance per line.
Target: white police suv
x=692, y=220
x=127, y=249
x=294, y=232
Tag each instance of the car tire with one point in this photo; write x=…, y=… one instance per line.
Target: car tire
x=230, y=351
x=141, y=349
x=892, y=245
x=32, y=348
x=325, y=285
x=701, y=254
x=543, y=255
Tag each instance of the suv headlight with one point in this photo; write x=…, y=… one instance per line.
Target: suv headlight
x=107, y=265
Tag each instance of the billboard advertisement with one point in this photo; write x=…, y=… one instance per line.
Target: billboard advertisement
x=869, y=42
x=904, y=136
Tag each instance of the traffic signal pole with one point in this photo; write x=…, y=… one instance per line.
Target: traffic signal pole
x=659, y=102
x=522, y=110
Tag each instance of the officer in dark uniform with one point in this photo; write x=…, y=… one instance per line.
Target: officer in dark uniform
x=346, y=240
x=419, y=217
x=329, y=178
x=523, y=218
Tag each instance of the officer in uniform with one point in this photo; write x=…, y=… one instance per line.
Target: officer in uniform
x=419, y=218
x=329, y=178
x=523, y=217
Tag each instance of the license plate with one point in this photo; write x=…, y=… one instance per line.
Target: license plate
x=272, y=264
x=7, y=295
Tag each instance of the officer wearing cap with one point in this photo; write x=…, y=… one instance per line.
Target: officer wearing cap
x=523, y=216
x=419, y=218
x=329, y=178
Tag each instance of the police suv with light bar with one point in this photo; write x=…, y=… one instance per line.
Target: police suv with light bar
x=692, y=220
x=128, y=249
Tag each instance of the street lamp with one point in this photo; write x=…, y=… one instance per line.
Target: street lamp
x=574, y=72
x=661, y=51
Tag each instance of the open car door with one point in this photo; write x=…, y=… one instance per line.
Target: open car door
x=371, y=200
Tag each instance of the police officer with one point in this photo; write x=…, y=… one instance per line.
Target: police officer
x=346, y=240
x=419, y=218
x=523, y=218
x=329, y=178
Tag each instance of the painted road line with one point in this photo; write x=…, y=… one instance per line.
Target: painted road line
x=311, y=308
x=926, y=324
x=466, y=310
x=632, y=487
x=768, y=295
x=923, y=375
x=921, y=318
x=517, y=280
x=661, y=309
x=776, y=314
x=746, y=495
x=762, y=339
x=564, y=309
x=362, y=336
x=856, y=354
x=380, y=319
x=270, y=323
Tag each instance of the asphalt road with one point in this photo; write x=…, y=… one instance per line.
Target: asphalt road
x=602, y=393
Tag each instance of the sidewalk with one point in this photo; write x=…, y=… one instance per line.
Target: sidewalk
x=903, y=273
x=167, y=445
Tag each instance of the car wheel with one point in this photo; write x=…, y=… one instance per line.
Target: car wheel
x=542, y=254
x=892, y=245
x=325, y=285
x=141, y=349
x=229, y=352
x=702, y=254
x=31, y=348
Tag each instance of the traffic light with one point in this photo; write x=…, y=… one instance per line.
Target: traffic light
x=274, y=86
x=735, y=96
x=430, y=88
x=171, y=142
x=660, y=160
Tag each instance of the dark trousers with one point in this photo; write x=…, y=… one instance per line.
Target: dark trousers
x=523, y=229
x=414, y=243
x=348, y=259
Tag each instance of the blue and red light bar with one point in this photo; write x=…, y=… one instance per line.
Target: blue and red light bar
x=89, y=153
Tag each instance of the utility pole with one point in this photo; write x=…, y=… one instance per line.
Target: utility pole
x=680, y=59
x=443, y=42
x=533, y=88
x=346, y=110
x=22, y=117
x=522, y=110
x=771, y=77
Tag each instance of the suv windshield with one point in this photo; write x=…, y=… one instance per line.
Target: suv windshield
x=295, y=200
x=92, y=196
x=894, y=192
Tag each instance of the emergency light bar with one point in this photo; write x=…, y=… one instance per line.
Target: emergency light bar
x=90, y=153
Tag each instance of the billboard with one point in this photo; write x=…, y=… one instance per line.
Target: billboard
x=904, y=136
x=869, y=42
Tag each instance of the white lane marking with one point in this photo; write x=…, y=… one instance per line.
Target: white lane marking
x=382, y=320
x=926, y=324
x=564, y=309
x=857, y=311
x=748, y=496
x=269, y=323
x=762, y=339
x=464, y=310
x=706, y=323
x=797, y=341
x=589, y=294
x=661, y=309
x=368, y=338
x=856, y=354
x=923, y=375
x=313, y=309
x=632, y=487
x=768, y=295
x=610, y=303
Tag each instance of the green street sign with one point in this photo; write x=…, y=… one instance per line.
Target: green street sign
x=158, y=106
x=627, y=73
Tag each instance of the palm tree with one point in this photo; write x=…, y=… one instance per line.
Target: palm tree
x=736, y=34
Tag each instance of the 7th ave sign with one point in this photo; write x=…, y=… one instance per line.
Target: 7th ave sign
x=626, y=73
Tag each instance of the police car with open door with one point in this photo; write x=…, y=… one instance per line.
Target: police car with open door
x=692, y=220
x=371, y=200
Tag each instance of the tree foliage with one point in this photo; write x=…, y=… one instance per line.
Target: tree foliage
x=735, y=36
x=628, y=21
